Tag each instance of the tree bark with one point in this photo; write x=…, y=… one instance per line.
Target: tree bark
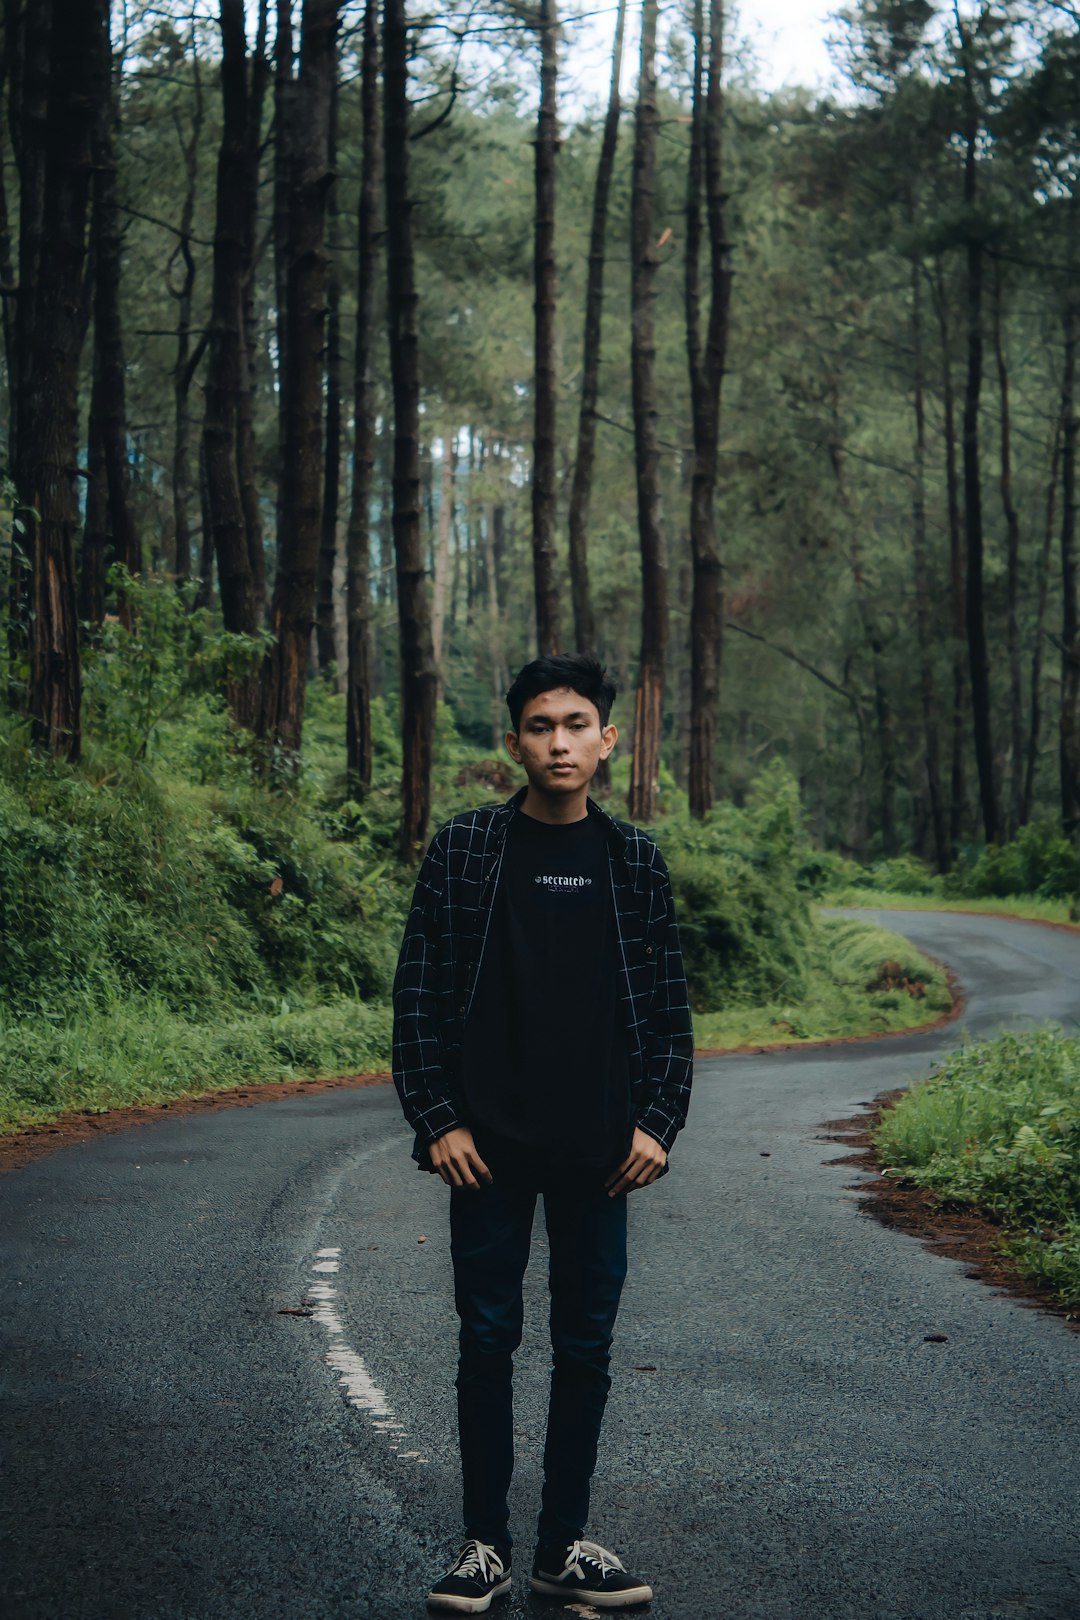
x=186, y=364
x=938, y=818
x=441, y=559
x=225, y=370
x=1042, y=588
x=544, y=421
x=978, y=654
x=293, y=611
x=358, y=543
x=96, y=532
x=1012, y=547
x=28, y=33
x=246, y=460
x=581, y=488
x=706, y=379
x=957, y=572
x=108, y=330
x=649, y=698
x=1070, y=584
x=414, y=613
x=331, y=500
x=48, y=411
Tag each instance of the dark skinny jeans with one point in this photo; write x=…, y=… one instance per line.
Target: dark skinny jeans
x=491, y=1231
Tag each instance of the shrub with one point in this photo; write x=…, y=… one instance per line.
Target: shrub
x=1040, y=860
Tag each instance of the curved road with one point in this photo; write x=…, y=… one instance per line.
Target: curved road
x=782, y=1442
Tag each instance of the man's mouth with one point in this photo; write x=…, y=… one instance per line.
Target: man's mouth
x=561, y=770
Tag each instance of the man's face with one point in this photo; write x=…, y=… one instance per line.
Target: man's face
x=560, y=741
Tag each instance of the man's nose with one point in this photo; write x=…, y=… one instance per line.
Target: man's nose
x=560, y=742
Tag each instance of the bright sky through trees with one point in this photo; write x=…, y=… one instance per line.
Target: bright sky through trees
x=788, y=41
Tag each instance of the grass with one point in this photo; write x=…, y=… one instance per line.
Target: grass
x=845, y=993
x=138, y=1051
x=1013, y=905
x=997, y=1129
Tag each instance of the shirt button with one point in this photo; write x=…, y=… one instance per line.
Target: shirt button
x=648, y=950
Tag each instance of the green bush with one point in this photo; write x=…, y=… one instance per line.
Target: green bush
x=999, y=1127
x=745, y=925
x=1040, y=860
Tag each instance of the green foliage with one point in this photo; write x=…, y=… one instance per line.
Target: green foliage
x=1040, y=861
x=845, y=990
x=136, y=1049
x=745, y=926
x=204, y=899
x=135, y=679
x=998, y=1126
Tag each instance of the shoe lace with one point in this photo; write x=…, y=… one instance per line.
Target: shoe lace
x=480, y=1559
x=591, y=1552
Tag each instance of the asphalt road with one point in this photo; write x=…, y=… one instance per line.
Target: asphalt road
x=176, y=1449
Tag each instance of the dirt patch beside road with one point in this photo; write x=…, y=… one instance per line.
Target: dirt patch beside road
x=959, y=1234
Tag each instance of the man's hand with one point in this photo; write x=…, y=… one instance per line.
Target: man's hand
x=457, y=1161
x=641, y=1166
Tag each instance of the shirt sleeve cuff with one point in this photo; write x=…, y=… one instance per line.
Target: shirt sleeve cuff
x=659, y=1126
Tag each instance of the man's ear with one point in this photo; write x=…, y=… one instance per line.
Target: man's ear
x=511, y=743
x=610, y=737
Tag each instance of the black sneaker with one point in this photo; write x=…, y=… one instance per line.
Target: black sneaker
x=587, y=1570
x=478, y=1576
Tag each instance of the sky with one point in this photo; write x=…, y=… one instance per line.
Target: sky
x=788, y=38
x=773, y=42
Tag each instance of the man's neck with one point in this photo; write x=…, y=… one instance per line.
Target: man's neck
x=557, y=810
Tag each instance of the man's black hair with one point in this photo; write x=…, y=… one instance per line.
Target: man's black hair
x=582, y=674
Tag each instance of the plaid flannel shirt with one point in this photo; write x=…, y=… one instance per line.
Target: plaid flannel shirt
x=440, y=960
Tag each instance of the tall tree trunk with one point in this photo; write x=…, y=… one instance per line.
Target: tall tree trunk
x=581, y=488
x=957, y=571
x=1070, y=584
x=332, y=478
x=1042, y=592
x=544, y=427
x=441, y=559
x=499, y=677
x=978, y=654
x=108, y=330
x=359, y=746
x=225, y=370
x=414, y=612
x=186, y=363
x=96, y=532
x=204, y=596
x=284, y=111
x=938, y=819
x=706, y=379
x=7, y=243
x=246, y=461
x=649, y=698
x=28, y=33
x=48, y=409
x=293, y=611
x=1012, y=532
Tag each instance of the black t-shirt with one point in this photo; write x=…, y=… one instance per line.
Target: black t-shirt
x=545, y=1060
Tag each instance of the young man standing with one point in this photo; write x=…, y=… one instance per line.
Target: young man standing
x=542, y=1045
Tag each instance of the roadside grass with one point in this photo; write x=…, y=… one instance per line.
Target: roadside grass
x=138, y=1051
x=997, y=1128
x=854, y=984
x=1012, y=905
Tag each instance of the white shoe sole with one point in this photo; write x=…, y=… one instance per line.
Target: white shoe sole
x=599, y=1600
x=468, y=1605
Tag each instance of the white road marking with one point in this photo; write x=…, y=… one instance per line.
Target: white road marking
x=360, y=1388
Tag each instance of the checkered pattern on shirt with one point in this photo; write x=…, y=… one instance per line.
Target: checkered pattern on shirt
x=440, y=955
